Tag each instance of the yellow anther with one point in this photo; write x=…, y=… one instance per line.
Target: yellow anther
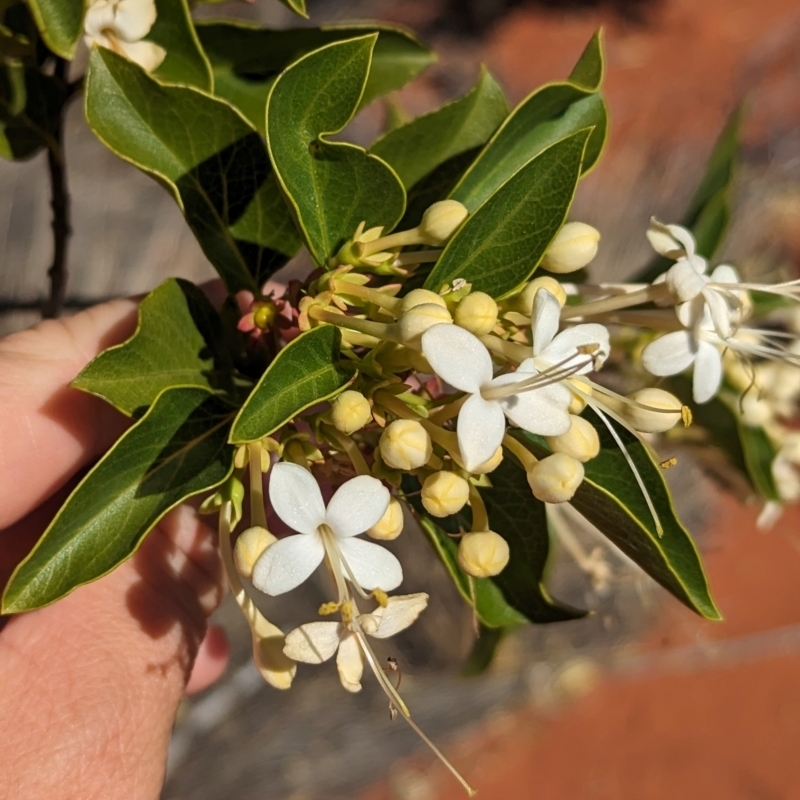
x=381, y=598
x=326, y=609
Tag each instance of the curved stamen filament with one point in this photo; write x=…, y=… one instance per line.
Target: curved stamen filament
x=378, y=298
x=658, y=291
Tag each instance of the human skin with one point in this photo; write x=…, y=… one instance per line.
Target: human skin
x=89, y=686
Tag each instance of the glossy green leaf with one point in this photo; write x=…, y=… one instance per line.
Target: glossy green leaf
x=521, y=520
x=246, y=59
x=305, y=372
x=500, y=244
x=176, y=343
x=212, y=161
x=177, y=450
x=710, y=209
x=30, y=106
x=416, y=149
x=611, y=499
x=332, y=186
x=298, y=6
x=185, y=62
x=549, y=115
x=60, y=22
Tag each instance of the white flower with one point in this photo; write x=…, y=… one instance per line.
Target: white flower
x=316, y=642
x=355, y=507
x=461, y=359
x=120, y=25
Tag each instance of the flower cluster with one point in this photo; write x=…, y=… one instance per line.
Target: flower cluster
x=447, y=384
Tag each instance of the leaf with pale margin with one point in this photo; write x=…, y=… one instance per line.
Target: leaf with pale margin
x=177, y=450
x=211, y=160
x=611, y=499
x=710, y=209
x=332, y=186
x=550, y=114
x=177, y=343
x=30, y=106
x=298, y=6
x=246, y=59
x=500, y=245
x=185, y=62
x=417, y=148
x=60, y=22
x=305, y=372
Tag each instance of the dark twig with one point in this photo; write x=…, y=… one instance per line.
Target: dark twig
x=61, y=213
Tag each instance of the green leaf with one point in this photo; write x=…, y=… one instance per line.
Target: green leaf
x=305, y=372
x=500, y=244
x=209, y=158
x=611, y=499
x=759, y=453
x=246, y=59
x=332, y=186
x=298, y=6
x=60, y=22
x=31, y=104
x=176, y=343
x=177, y=450
x=416, y=149
x=185, y=62
x=549, y=115
x=521, y=520
x=710, y=209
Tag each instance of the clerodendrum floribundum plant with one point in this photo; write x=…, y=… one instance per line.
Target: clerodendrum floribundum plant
x=435, y=356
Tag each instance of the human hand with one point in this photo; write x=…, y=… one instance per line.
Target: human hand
x=89, y=686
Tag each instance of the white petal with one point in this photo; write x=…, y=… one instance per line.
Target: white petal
x=481, y=425
x=357, y=505
x=134, y=18
x=314, y=642
x=457, y=357
x=670, y=354
x=546, y=315
x=400, y=612
x=350, y=663
x=146, y=54
x=565, y=346
x=295, y=497
x=707, y=372
x=373, y=566
x=720, y=312
x=99, y=18
x=724, y=273
x=691, y=314
x=287, y=563
x=669, y=240
x=543, y=411
x=684, y=281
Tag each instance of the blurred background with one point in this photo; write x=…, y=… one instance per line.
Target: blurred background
x=640, y=701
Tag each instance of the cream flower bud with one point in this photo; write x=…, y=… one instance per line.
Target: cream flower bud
x=663, y=412
x=444, y=493
x=490, y=465
x=418, y=319
x=523, y=302
x=477, y=312
x=578, y=403
x=350, y=411
x=574, y=247
x=249, y=547
x=390, y=525
x=368, y=624
x=482, y=554
x=555, y=479
x=418, y=297
x=580, y=441
x=440, y=221
x=405, y=445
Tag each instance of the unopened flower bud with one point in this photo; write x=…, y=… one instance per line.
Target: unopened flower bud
x=444, y=493
x=662, y=413
x=390, y=525
x=482, y=554
x=405, y=445
x=555, y=479
x=489, y=465
x=477, y=312
x=418, y=319
x=578, y=403
x=350, y=411
x=418, y=297
x=440, y=221
x=524, y=300
x=580, y=441
x=573, y=248
x=249, y=547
